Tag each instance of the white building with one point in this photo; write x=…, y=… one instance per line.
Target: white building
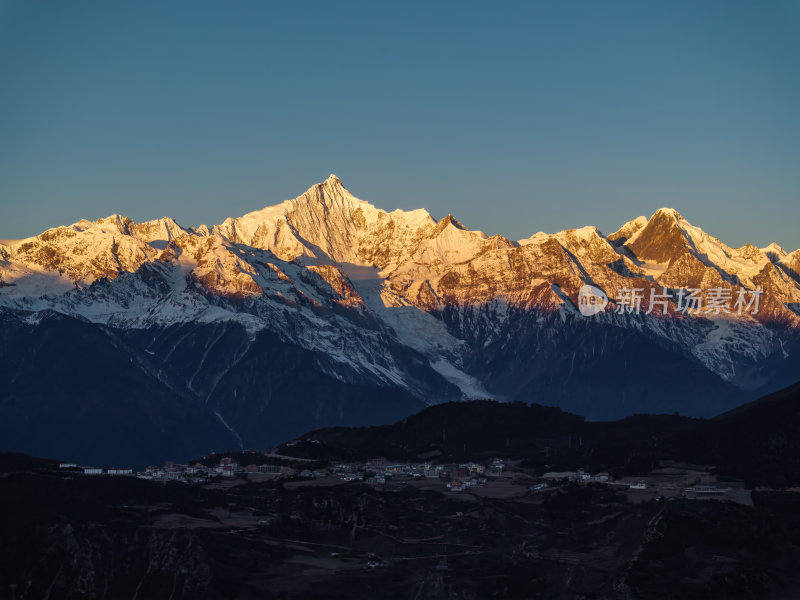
x=120, y=471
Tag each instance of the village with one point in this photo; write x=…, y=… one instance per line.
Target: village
x=670, y=480
x=377, y=471
x=498, y=477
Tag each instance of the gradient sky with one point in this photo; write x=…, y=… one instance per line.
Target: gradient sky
x=515, y=118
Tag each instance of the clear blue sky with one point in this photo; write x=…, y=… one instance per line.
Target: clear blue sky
x=515, y=118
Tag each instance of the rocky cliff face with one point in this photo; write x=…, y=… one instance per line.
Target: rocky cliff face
x=398, y=304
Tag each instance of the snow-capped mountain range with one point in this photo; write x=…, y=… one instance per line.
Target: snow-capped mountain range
x=394, y=310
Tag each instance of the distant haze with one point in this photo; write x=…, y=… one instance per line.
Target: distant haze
x=514, y=118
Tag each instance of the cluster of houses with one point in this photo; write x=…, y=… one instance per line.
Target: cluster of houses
x=195, y=473
x=732, y=490
x=226, y=468
x=93, y=470
x=578, y=476
x=456, y=477
x=379, y=471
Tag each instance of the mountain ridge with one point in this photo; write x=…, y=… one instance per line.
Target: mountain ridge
x=427, y=309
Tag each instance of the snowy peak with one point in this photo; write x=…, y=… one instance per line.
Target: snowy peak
x=316, y=225
x=158, y=230
x=681, y=254
x=331, y=193
x=84, y=251
x=120, y=222
x=450, y=243
x=333, y=183
x=448, y=221
x=588, y=244
x=624, y=233
x=774, y=252
x=327, y=224
x=790, y=264
x=661, y=239
x=668, y=212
